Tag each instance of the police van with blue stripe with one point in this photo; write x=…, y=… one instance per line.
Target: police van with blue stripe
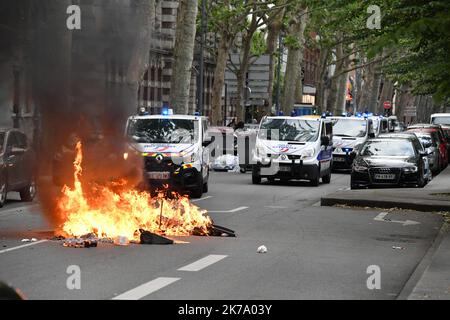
x=293, y=148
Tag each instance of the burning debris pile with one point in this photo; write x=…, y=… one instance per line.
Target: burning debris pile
x=119, y=215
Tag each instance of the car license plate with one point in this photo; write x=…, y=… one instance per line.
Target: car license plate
x=382, y=176
x=285, y=169
x=339, y=159
x=158, y=175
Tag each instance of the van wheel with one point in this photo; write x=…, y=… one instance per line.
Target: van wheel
x=256, y=177
x=3, y=191
x=314, y=182
x=28, y=193
x=197, y=192
x=327, y=178
x=205, y=187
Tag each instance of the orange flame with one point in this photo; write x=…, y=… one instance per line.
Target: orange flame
x=110, y=213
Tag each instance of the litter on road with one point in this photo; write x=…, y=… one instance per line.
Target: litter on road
x=262, y=249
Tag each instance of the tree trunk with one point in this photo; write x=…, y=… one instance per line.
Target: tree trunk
x=374, y=87
x=183, y=55
x=386, y=94
x=274, y=28
x=320, y=80
x=219, y=79
x=294, y=61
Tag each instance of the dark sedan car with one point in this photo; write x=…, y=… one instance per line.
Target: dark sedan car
x=389, y=161
x=16, y=165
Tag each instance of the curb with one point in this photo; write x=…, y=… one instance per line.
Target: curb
x=422, y=267
x=386, y=204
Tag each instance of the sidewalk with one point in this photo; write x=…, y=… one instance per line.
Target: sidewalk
x=434, y=283
x=434, y=197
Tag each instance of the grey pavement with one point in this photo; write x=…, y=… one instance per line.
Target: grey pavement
x=313, y=252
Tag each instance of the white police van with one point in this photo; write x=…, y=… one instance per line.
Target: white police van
x=293, y=148
x=349, y=134
x=171, y=150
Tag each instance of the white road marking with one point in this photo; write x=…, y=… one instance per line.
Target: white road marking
x=203, y=263
x=146, y=289
x=204, y=198
x=275, y=207
x=228, y=211
x=382, y=217
x=22, y=246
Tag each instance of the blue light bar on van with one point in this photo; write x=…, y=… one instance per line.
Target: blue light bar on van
x=167, y=112
x=347, y=150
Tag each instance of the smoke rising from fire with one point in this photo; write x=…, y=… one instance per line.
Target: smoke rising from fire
x=82, y=83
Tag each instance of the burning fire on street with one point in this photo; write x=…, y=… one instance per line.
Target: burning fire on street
x=116, y=212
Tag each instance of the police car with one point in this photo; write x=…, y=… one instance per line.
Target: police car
x=172, y=149
x=349, y=134
x=293, y=148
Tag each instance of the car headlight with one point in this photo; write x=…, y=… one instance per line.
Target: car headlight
x=191, y=157
x=412, y=169
x=130, y=152
x=308, y=153
x=359, y=168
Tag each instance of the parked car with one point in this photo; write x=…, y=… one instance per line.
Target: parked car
x=391, y=160
x=430, y=141
x=444, y=145
x=17, y=165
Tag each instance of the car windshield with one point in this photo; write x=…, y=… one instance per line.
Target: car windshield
x=349, y=128
x=289, y=130
x=163, y=130
x=442, y=120
x=2, y=140
x=388, y=148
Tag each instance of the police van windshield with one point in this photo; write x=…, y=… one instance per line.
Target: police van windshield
x=163, y=130
x=349, y=128
x=289, y=130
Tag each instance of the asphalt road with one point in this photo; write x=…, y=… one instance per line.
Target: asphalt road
x=313, y=252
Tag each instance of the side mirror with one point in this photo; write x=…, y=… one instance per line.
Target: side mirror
x=207, y=141
x=325, y=141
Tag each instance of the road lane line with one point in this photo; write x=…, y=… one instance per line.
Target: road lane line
x=204, y=198
x=146, y=289
x=22, y=246
x=228, y=211
x=203, y=263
